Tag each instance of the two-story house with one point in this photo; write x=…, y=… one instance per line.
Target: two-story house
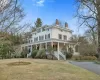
x=56, y=36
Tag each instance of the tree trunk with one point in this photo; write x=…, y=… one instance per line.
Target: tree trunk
x=98, y=24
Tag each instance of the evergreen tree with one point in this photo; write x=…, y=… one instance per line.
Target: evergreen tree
x=38, y=23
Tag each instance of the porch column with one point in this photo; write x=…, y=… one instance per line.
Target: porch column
x=58, y=50
x=52, y=44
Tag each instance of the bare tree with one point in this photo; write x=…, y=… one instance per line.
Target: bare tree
x=88, y=12
x=11, y=14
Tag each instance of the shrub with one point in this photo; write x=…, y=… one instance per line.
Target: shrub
x=84, y=58
x=34, y=53
x=97, y=55
x=69, y=55
x=23, y=55
x=87, y=49
x=41, y=54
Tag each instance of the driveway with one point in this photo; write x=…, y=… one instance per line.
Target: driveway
x=91, y=66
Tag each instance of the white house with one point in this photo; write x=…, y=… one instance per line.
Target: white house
x=56, y=36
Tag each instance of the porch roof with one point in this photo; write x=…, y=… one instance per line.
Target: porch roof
x=49, y=40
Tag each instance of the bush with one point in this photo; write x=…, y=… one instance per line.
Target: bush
x=23, y=55
x=97, y=55
x=87, y=49
x=69, y=55
x=34, y=53
x=84, y=58
x=41, y=54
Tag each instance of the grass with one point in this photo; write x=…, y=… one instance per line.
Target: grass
x=43, y=70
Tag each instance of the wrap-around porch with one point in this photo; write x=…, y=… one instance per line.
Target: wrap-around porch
x=57, y=46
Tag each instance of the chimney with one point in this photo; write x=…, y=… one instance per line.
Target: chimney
x=66, y=25
x=57, y=22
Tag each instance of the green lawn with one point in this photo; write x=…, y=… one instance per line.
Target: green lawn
x=43, y=70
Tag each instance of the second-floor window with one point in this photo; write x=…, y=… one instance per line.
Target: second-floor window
x=41, y=38
x=35, y=39
x=65, y=37
x=47, y=36
x=60, y=36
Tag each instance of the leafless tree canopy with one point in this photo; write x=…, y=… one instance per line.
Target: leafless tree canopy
x=11, y=14
x=88, y=12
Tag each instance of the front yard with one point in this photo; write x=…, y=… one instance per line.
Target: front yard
x=43, y=70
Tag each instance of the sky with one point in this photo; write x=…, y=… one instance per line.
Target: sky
x=50, y=10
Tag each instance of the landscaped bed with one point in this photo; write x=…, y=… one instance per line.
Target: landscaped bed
x=18, y=63
x=43, y=70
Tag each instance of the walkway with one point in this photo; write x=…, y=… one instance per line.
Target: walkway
x=91, y=66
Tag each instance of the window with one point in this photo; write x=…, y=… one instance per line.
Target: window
x=65, y=37
x=60, y=36
x=48, y=36
x=45, y=36
x=35, y=39
x=41, y=38
x=39, y=30
x=76, y=48
x=31, y=41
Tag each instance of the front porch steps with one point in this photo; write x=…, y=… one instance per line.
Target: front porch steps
x=60, y=55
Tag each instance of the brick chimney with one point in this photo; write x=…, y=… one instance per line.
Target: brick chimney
x=57, y=22
x=66, y=25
